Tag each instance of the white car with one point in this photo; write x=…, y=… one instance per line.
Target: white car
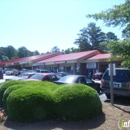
x=21, y=76
x=12, y=72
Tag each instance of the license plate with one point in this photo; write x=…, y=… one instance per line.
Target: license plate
x=116, y=85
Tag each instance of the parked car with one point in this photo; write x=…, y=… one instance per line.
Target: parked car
x=23, y=70
x=12, y=72
x=62, y=73
x=121, y=82
x=21, y=76
x=97, y=75
x=43, y=77
x=71, y=79
x=42, y=71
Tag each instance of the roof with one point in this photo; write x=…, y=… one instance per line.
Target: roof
x=32, y=59
x=100, y=56
x=72, y=56
x=1, y=63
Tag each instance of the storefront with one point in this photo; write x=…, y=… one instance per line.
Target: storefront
x=85, y=63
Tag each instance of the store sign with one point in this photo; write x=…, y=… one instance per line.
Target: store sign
x=60, y=62
x=26, y=62
x=91, y=65
x=37, y=64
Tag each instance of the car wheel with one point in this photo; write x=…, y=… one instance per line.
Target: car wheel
x=98, y=89
x=108, y=96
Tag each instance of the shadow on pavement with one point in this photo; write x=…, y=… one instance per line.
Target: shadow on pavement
x=57, y=124
x=120, y=100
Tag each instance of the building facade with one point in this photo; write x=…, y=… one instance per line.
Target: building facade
x=86, y=63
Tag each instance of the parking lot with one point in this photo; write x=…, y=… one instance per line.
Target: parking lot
x=117, y=100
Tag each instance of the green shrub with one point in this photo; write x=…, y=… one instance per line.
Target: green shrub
x=46, y=100
x=8, y=91
x=76, y=102
x=30, y=104
x=6, y=85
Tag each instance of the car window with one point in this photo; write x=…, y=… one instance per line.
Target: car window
x=29, y=75
x=22, y=75
x=88, y=80
x=121, y=75
x=67, y=79
x=81, y=80
x=37, y=76
x=52, y=77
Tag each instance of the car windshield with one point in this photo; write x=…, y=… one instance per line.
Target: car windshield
x=98, y=73
x=67, y=79
x=22, y=75
x=37, y=76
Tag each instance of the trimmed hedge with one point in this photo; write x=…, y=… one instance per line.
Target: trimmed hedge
x=8, y=91
x=30, y=104
x=76, y=102
x=6, y=85
x=9, y=87
x=46, y=100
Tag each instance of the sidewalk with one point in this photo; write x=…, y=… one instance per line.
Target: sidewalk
x=4, y=78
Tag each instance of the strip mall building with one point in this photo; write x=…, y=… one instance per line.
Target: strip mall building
x=85, y=63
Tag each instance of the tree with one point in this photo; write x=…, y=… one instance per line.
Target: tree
x=70, y=50
x=111, y=36
x=55, y=49
x=24, y=52
x=63, y=51
x=119, y=15
x=103, y=47
x=2, y=52
x=120, y=51
x=36, y=52
x=8, y=53
x=5, y=58
x=74, y=50
x=90, y=37
x=83, y=44
x=126, y=32
x=11, y=52
x=67, y=51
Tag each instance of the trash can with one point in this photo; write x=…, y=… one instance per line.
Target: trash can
x=1, y=75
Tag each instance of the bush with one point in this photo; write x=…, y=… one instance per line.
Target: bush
x=76, y=102
x=46, y=100
x=31, y=104
x=8, y=91
x=6, y=85
x=18, y=84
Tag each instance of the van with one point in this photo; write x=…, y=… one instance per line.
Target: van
x=121, y=82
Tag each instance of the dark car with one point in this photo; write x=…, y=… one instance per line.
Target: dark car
x=97, y=75
x=43, y=77
x=71, y=79
x=42, y=71
x=121, y=82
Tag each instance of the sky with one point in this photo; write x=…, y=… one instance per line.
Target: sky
x=42, y=24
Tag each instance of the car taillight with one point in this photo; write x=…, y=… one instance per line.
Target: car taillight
x=102, y=82
x=128, y=85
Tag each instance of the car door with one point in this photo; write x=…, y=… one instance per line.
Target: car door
x=89, y=82
x=81, y=80
x=93, y=84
